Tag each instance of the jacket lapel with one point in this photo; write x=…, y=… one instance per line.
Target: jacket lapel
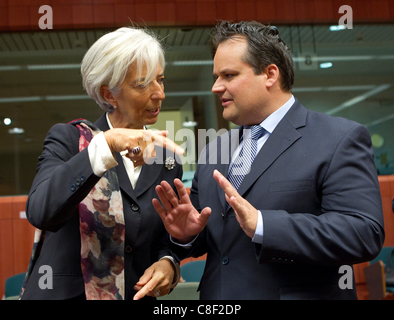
x=223, y=157
x=149, y=173
x=284, y=135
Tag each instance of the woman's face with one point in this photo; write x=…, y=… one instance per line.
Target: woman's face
x=138, y=105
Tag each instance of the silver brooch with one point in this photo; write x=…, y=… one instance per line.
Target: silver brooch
x=169, y=163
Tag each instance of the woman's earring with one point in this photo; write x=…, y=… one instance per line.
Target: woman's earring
x=115, y=106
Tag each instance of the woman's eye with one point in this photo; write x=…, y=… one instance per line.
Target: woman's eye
x=140, y=86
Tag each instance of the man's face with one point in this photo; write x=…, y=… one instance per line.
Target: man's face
x=241, y=91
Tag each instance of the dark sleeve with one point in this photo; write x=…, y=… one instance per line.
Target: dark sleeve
x=161, y=243
x=198, y=247
x=349, y=229
x=64, y=177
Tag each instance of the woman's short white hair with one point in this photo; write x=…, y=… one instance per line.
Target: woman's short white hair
x=107, y=61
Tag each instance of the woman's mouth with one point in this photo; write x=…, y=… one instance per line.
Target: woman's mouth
x=154, y=111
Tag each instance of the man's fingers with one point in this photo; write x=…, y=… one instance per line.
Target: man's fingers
x=163, y=198
x=156, y=204
x=204, y=215
x=231, y=193
x=170, y=194
x=236, y=205
x=225, y=184
x=182, y=192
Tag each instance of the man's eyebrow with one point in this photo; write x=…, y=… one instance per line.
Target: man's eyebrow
x=223, y=71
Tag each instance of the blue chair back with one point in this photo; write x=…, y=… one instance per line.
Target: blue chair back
x=192, y=271
x=13, y=285
x=383, y=255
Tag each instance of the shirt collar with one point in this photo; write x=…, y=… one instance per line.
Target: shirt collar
x=110, y=124
x=270, y=123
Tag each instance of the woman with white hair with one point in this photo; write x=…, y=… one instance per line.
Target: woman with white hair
x=98, y=235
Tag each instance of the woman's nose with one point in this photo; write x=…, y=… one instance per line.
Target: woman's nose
x=158, y=93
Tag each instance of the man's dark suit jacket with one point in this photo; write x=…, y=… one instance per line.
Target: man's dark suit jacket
x=64, y=178
x=316, y=186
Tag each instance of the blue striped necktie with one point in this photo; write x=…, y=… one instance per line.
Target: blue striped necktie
x=241, y=165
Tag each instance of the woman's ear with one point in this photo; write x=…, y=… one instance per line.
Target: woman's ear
x=273, y=74
x=108, y=95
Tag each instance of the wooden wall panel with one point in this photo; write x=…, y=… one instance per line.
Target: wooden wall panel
x=16, y=238
x=387, y=192
x=5, y=208
x=6, y=252
x=81, y=14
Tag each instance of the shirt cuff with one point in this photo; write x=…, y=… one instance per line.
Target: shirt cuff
x=258, y=235
x=177, y=271
x=186, y=245
x=100, y=155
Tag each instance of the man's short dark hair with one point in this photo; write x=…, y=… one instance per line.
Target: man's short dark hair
x=265, y=47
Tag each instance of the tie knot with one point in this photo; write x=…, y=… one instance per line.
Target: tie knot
x=254, y=132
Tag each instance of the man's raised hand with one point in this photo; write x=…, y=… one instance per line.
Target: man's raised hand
x=181, y=220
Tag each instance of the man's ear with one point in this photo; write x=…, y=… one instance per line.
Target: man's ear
x=108, y=95
x=273, y=74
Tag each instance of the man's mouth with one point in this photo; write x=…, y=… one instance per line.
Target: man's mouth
x=226, y=102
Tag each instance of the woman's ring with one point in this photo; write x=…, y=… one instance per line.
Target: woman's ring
x=136, y=150
x=158, y=294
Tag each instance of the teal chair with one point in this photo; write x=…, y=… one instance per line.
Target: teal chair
x=192, y=271
x=183, y=291
x=13, y=286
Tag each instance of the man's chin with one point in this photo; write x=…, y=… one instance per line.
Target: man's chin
x=230, y=117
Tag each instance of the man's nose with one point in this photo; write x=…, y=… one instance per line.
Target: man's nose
x=218, y=88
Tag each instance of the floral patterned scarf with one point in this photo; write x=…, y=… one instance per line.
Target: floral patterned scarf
x=102, y=232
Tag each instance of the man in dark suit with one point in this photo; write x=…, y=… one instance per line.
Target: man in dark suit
x=309, y=203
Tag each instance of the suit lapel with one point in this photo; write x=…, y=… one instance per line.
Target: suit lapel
x=223, y=157
x=149, y=173
x=284, y=135
x=123, y=178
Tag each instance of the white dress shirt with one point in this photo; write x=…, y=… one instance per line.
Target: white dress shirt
x=101, y=157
